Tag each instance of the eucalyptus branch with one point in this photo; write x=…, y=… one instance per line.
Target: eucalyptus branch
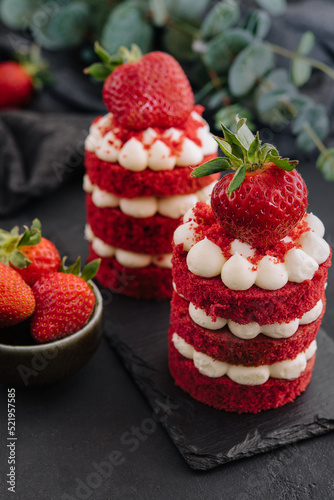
x=312, y=62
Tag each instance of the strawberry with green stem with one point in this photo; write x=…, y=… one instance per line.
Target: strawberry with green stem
x=265, y=197
x=29, y=253
x=142, y=91
x=64, y=301
x=19, y=79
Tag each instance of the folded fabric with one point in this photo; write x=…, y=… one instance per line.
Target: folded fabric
x=38, y=153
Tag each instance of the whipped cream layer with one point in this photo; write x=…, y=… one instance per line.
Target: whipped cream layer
x=125, y=257
x=240, y=267
x=153, y=148
x=147, y=206
x=288, y=369
x=251, y=330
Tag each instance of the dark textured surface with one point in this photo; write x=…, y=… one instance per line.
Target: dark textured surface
x=96, y=425
x=66, y=431
x=196, y=429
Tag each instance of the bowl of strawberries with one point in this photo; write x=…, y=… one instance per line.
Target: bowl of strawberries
x=50, y=315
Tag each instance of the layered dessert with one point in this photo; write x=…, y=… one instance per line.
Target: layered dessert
x=138, y=165
x=249, y=272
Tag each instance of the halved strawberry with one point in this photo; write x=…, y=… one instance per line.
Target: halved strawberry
x=264, y=199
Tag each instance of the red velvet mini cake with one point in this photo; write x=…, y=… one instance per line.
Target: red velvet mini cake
x=249, y=276
x=138, y=160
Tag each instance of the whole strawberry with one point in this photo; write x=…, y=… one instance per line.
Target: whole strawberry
x=17, y=301
x=30, y=254
x=146, y=90
x=64, y=302
x=16, y=85
x=264, y=199
x=19, y=79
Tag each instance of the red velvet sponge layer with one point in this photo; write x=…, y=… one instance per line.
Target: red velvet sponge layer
x=224, y=394
x=254, y=304
x=152, y=235
x=115, y=179
x=149, y=283
x=224, y=346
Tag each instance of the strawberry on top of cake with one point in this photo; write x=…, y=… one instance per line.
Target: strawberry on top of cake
x=249, y=276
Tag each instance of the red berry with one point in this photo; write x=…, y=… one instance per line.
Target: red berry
x=153, y=91
x=17, y=301
x=44, y=258
x=64, y=304
x=264, y=208
x=16, y=85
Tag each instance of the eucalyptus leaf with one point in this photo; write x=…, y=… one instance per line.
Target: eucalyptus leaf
x=222, y=16
x=127, y=25
x=65, y=28
x=227, y=115
x=274, y=7
x=306, y=43
x=158, y=11
x=187, y=10
x=274, y=98
x=211, y=167
x=250, y=64
x=217, y=99
x=325, y=163
x=258, y=23
x=300, y=72
x=178, y=44
x=222, y=50
x=313, y=116
x=311, y=121
x=16, y=14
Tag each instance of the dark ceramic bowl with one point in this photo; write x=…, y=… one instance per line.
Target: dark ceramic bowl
x=28, y=364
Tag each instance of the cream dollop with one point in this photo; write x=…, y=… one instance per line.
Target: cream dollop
x=198, y=262
x=125, y=257
x=151, y=151
x=238, y=271
x=245, y=375
x=251, y=330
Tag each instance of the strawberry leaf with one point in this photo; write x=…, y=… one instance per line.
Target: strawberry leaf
x=98, y=70
x=244, y=135
x=90, y=270
x=283, y=163
x=237, y=180
x=254, y=150
x=73, y=269
x=229, y=151
x=19, y=260
x=211, y=167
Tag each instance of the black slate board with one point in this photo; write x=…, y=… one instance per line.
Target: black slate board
x=207, y=437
